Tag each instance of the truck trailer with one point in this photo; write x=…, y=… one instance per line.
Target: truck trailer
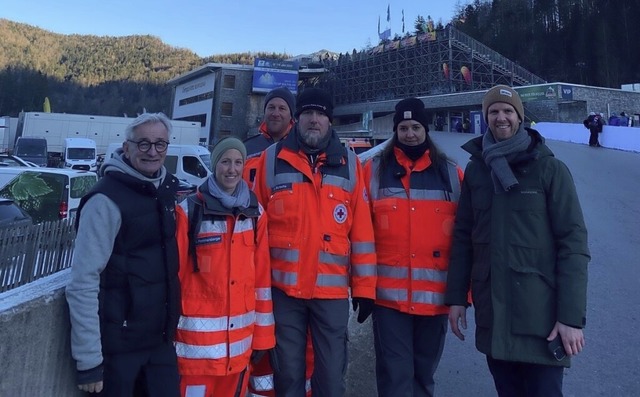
x=57, y=127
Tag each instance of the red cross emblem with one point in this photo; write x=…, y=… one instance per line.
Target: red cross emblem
x=340, y=213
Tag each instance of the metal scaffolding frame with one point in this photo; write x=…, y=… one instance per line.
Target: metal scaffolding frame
x=439, y=62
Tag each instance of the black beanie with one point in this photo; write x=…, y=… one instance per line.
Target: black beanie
x=285, y=94
x=316, y=99
x=410, y=109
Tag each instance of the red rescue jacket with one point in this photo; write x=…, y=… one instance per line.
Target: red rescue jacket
x=320, y=232
x=413, y=207
x=226, y=295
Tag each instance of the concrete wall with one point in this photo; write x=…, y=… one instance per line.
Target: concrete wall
x=34, y=340
x=624, y=138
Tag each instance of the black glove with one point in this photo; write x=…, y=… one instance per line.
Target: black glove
x=257, y=355
x=92, y=375
x=366, y=308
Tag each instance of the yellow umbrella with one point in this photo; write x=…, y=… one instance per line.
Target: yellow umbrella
x=47, y=105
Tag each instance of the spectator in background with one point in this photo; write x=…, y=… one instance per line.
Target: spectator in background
x=520, y=247
x=439, y=123
x=614, y=120
x=414, y=191
x=124, y=292
x=594, y=124
x=466, y=125
x=623, y=120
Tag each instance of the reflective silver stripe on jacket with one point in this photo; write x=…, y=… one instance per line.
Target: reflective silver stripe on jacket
x=401, y=295
x=274, y=180
x=363, y=247
x=332, y=280
x=421, y=274
x=263, y=294
x=216, y=324
x=284, y=254
x=439, y=276
x=213, y=352
x=364, y=270
x=285, y=278
x=264, y=319
x=333, y=259
x=416, y=194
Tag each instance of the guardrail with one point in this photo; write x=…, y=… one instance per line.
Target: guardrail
x=30, y=252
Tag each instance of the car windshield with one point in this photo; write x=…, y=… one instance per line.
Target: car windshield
x=81, y=153
x=30, y=150
x=206, y=159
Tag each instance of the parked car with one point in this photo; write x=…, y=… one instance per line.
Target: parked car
x=47, y=194
x=12, y=215
x=185, y=189
x=9, y=160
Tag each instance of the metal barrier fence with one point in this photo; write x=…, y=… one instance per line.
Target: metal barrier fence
x=28, y=253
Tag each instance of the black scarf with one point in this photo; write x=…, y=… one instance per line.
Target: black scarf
x=413, y=152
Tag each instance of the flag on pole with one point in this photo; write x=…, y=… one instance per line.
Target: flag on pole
x=403, y=21
x=378, y=25
x=388, y=12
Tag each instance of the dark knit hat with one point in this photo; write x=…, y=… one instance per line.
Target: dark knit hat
x=316, y=99
x=502, y=93
x=225, y=144
x=411, y=109
x=285, y=94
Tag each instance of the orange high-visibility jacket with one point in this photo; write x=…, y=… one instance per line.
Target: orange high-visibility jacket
x=226, y=295
x=255, y=146
x=320, y=232
x=413, y=207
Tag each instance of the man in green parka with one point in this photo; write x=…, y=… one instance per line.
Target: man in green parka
x=520, y=244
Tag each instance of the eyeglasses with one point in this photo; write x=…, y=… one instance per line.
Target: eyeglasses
x=145, y=146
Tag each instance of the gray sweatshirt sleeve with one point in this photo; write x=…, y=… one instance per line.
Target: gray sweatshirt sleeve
x=99, y=225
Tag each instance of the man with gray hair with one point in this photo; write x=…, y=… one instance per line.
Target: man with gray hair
x=124, y=292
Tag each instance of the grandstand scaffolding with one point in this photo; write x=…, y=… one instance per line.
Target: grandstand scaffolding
x=436, y=62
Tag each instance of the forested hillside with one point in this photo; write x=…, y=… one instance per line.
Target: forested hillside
x=90, y=74
x=592, y=42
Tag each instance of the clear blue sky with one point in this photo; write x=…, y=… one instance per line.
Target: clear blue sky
x=210, y=27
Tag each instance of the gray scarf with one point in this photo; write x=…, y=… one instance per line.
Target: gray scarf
x=498, y=155
x=240, y=197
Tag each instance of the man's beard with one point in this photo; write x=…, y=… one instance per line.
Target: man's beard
x=315, y=140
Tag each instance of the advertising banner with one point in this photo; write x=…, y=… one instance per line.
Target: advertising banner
x=545, y=92
x=272, y=73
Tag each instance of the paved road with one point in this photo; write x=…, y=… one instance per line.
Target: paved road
x=608, y=182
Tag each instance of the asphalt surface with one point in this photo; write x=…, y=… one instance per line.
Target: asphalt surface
x=608, y=183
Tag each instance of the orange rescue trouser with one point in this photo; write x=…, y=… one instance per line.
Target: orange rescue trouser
x=261, y=374
x=214, y=386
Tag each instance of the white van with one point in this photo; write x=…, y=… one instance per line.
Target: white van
x=47, y=194
x=191, y=163
x=80, y=154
